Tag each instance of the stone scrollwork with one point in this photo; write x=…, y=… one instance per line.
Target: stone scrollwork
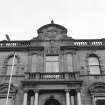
x=52, y=49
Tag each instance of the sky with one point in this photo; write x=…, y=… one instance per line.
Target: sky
x=20, y=19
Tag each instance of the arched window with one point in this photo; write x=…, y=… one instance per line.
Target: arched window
x=93, y=64
x=52, y=102
x=10, y=64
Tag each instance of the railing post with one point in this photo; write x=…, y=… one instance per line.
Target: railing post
x=27, y=75
x=77, y=75
x=66, y=75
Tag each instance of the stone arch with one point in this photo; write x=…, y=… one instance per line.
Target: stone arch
x=93, y=54
x=11, y=55
x=53, y=96
x=45, y=97
x=97, y=92
x=52, y=101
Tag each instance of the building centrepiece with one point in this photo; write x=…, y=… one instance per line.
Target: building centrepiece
x=52, y=69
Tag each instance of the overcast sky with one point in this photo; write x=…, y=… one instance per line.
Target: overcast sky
x=20, y=19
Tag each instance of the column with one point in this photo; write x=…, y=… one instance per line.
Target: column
x=78, y=97
x=32, y=100
x=67, y=97
x=93, y=99
x=36, y=97
x=25, y=98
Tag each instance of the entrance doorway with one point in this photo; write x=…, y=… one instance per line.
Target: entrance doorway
x=52, y=102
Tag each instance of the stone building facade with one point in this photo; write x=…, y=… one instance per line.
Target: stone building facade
x=53, y=69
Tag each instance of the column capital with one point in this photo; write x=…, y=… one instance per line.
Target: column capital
x=78, y=90
x=36, y=90
x=67, y=90
x=25, y=90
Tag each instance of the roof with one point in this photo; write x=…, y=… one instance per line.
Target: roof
x=52, y=24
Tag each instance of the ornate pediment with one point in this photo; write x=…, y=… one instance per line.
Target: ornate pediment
x=97, y=88
x=4, y=88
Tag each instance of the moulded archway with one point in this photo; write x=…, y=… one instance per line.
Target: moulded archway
x=52, y=102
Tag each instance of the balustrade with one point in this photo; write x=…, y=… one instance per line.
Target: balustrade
x=78, y=42
x=14, y=43
x=52, y=75
x=89, y=42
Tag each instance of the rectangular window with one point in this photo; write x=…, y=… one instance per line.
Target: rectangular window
x=52, y=63
x=94, y=70
x=69, y=62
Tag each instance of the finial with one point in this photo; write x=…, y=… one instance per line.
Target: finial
x=52, y=22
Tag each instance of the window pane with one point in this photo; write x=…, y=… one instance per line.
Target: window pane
x=34, y=62
x=94, y=65
x=10, y=61
x=93, y=61
x=52, y=58
x=69, y=63
x=52, y=64
x=9, y=69
x=52, y=67
x=94, y=69
x=9, y=66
